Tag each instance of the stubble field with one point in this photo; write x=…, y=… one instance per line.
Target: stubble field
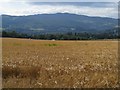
x=59, y=64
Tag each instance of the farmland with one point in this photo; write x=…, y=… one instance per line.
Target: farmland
x=59, y=64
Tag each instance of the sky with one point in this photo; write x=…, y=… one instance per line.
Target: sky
x=104, y=8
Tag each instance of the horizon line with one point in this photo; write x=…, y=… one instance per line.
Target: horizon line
x=93, y=16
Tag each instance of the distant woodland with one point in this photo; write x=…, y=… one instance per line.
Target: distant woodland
x=65, y=36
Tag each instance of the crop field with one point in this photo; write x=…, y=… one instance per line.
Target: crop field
x=30, y=63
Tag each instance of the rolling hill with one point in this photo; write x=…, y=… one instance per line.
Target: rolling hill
x=57, y=23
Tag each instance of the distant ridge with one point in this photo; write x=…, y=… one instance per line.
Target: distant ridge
x=57, y=23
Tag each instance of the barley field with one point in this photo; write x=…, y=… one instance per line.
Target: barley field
x=59, y=64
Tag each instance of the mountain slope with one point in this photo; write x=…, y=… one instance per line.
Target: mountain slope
x=57, y=23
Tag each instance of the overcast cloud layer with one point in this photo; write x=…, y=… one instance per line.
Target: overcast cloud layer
x=26, y=7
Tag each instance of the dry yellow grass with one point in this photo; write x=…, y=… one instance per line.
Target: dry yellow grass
x=59, y=64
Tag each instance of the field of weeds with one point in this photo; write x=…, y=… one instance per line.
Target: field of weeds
x=59, y=64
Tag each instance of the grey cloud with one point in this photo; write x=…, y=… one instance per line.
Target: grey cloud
x=84, y=4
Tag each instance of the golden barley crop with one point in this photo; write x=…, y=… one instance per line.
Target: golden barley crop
x=59, y=64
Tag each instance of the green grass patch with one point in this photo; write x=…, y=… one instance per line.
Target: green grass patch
x=50, y=45
x=17, y=44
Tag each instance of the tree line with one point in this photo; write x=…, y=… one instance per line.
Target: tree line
x=66, y=36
